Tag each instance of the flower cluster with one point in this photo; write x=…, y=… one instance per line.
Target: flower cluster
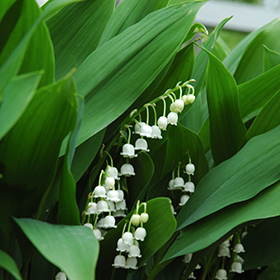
x=128, y=245
x=178, y=183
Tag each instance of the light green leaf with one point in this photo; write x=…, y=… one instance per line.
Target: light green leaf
x=76, y=30
x=9, y=264
x=73, y=249
x=103, y=77
x=232, y=60
x=226, y=127
x=250, y=65
x=237, y=179
x=254, y=94
x=127, y=13
x=12, y=64
x=14, y=104
x=271, y=58
x=157, y=225
x=208, y=230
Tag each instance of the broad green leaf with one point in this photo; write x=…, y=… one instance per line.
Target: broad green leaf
x=12, y=64
x=226, y=127
x=14, y=104
x=76, y=30
x=105, y=77
x=68, y=212
x=29, y=151
x=251, y=64
x=9, y=264
x=254, y=94
x=237, y=179
x=73, y=249
x=127, y=13
x=221, y=50
x=271, y=58
x=159, y=225
x=40, y=43
x=267, y=119
x=233, y=59
x=266, y=252
x=210, y=229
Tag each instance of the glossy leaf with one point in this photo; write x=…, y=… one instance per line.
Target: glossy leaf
x=210, y=229
x=226, y=127
x=267, y=119
x=14, y=104
x=29, y=152
x=9, y=264
x=271, y=58
x=233, y=59
x=61, y=245
x=266, y=252
x=158, y=225
x=237, y=179
x=109, y=92
x=12, y=64
x=76, y=30
x=68, y=212
x=251, y=64
x=127, y=13
x=254, y=94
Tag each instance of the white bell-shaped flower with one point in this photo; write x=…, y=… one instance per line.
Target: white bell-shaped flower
x=92, y=208
x=135, y=219
x=146, y=130
x=189, y=187
x=172, y=118
x=156, y=132
x=190, y=168
x=236, y=267
x=140, y=233
x=226, y=243
x=198, y=266
x=60, y=276
x=224, y=252
x=128, y=151
x=120, y=194
x=221, y=274
x=127, y=170
x=137, y=127
x=112, y=172
x=89, y=225
x=178, y=106
x=119, y=261
x=128, y=238
x=183, y=200
x=191, y=276
x=99, y=191
x=141, y=144
x=134, y=251
x=144, y=217
x=121, y=246
x=121, y=205
x=102, y=206
x=173, y=210
x=100, y=223
x=162, y=123
x=172, y=107
x=171, y=185
x=238, y=248
x=110, y=183
x=188, y=99
x=131, y=263
x=119, y=213
x=112, y=206
x=109, y=222
x=97, y=234
x=178, y=182
x=113, y=195
x=187, y=258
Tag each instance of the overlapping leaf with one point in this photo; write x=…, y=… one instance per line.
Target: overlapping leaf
x=237, y=179
x=9, y=264
x=271, y=58
x=74, y=249
x=103, y=77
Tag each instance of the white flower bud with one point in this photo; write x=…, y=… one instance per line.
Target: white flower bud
x=162, y=123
